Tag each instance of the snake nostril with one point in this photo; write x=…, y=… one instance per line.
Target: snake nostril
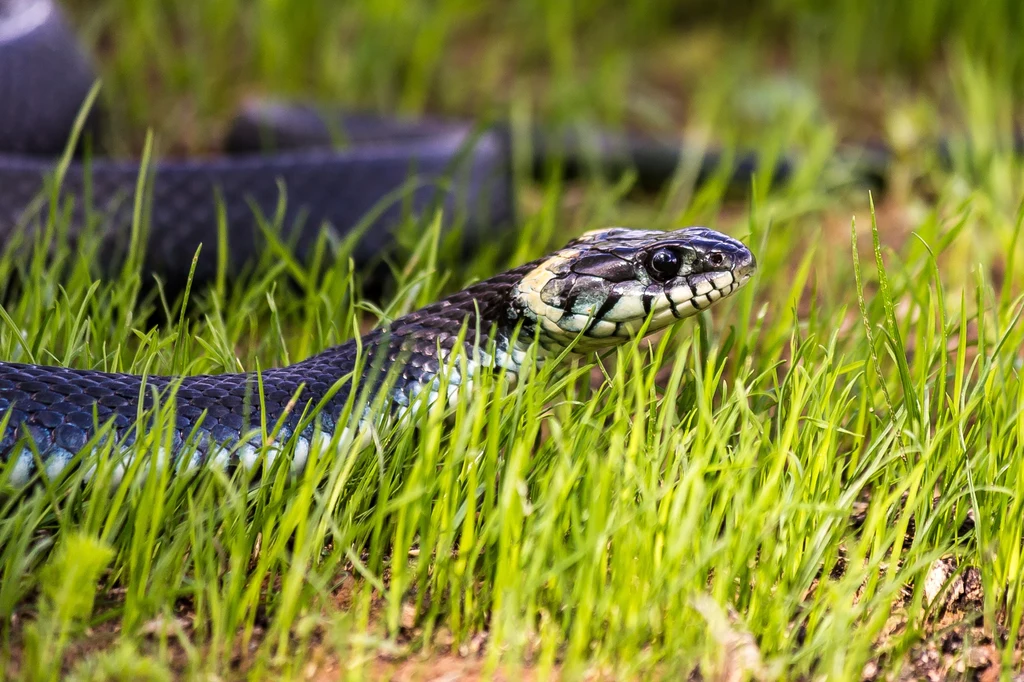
x=716, y=260
x=748, y=265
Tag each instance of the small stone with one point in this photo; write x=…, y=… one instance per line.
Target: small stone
x=937, y=575
x=160, y=625
x=973, y=591
x=978, y=656
x=474, y=646
x=443, y=638
x=408, y=617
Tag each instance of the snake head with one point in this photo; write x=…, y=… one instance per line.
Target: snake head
x=603, y=286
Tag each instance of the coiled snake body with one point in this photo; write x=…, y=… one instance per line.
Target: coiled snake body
x=595, y=293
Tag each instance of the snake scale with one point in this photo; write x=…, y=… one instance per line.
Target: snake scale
x=596, y=292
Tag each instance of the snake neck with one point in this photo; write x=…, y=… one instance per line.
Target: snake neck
x=480, y=328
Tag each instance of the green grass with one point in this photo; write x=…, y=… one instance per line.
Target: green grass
x=777, y=478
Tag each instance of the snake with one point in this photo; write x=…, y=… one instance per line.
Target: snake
x=600, y=290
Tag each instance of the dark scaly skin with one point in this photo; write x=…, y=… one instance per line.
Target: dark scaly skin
x=55, y=405
x=600, y=275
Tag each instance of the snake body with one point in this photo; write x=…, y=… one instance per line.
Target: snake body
x=596, y=292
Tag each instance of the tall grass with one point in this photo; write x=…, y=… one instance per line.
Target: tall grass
x=761, y=492
x=675, y=503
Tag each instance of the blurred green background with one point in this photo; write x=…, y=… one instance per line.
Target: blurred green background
x=181, y=66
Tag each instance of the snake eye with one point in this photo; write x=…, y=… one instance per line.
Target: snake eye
x=663, y=265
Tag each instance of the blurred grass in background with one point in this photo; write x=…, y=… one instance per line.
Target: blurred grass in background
x=182, y=67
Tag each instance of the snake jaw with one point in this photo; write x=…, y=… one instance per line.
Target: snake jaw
x=603, y=286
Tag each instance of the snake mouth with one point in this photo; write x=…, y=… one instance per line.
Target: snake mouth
x=687, y=296
x=690, y=294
